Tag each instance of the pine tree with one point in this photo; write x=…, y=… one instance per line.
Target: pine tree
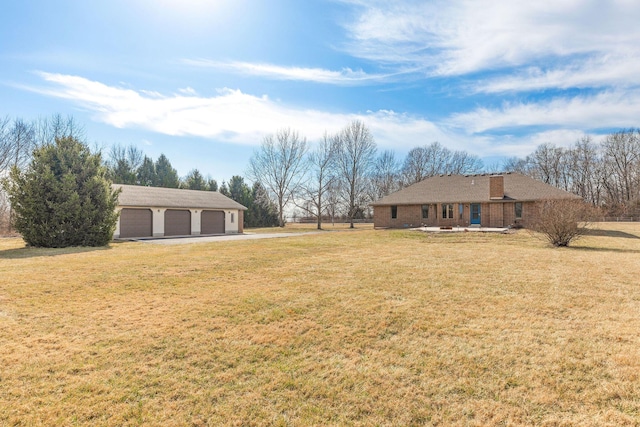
x=62, y=198
x=262, y=212
x=195, y=181
x=212, y=184
x=146, y=174
x=166, y=175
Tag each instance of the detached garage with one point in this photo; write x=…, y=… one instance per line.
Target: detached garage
x=159, y=212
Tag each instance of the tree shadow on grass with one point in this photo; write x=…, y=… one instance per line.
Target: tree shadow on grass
x=596, y=249
x=609, y=233
x=29, y=252
x=596, y=232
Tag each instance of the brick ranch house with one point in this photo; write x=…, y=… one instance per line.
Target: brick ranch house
x=158, y=212
x=466, y=200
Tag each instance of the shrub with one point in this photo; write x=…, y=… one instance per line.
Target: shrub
x=62, y=198
x=562, y=221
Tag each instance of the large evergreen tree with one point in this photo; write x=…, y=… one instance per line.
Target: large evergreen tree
x=166, y=175
x=239, y=191
x=146, y=174
x=62, y=197
x=195, y=181
x=262, y=211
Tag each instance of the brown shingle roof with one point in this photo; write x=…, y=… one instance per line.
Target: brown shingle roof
x=139, y=196
x=472, y=188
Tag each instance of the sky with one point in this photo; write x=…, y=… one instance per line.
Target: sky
x=204, y=81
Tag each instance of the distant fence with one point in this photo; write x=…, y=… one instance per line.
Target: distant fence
x=619, y=219
x=328, y=220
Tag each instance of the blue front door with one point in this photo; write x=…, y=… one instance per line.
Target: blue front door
x=475, y=213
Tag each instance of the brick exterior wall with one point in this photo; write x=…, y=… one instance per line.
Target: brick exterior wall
x=496, y=187
x=240, y=221
x=408, y=216
x=496, y=214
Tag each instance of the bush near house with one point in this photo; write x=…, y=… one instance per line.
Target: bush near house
x=62, y=197
x=562, y=221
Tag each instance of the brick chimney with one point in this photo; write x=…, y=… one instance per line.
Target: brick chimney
x=496, y=187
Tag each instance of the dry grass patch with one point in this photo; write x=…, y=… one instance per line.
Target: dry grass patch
x=365, y=328
x=309, y=227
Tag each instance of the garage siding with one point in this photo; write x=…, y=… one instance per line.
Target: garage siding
x=212, y=222
x=136, y=223
x=177, y=222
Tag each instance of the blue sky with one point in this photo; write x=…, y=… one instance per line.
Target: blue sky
x=205, y=81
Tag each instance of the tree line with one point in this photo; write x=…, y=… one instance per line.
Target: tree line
x=605, y=174
x=339, y=175
x=344, y=172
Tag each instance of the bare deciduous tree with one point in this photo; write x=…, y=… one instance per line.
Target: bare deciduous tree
x=279, y=165
x=5, y=144
x=462, y=163
x=385, y=178
x=550, y=163
x=18, y=138
x=123, y=163
x=515, y=164
x=586, y=171
x=321, y=165
x=47, y=129
x=621, y=162
x=21, y=137
x=356, y=153
x=434, y=159
x=424, y=162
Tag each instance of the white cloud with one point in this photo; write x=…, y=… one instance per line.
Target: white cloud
x=610, y=109
x=231, y=116
x=346, y=76
x=521, y=146
x=619, y=71
x=188, y=91
x=456, y=37
x=235, y=117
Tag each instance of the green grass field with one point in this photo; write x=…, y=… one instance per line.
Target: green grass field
x=372, y=327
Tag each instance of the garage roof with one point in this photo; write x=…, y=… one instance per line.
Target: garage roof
x=140, y=196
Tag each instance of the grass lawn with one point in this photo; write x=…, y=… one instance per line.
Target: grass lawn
x=372, y=327
x=309, y=227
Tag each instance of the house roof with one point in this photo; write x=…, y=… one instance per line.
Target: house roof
x=140, y=196
x=472, y=188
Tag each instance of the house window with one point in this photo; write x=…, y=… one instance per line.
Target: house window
x=425, y=211
x=232, y=218
x=518, y=210
x=394, y=212
x=447, y=211
x=460, y=210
